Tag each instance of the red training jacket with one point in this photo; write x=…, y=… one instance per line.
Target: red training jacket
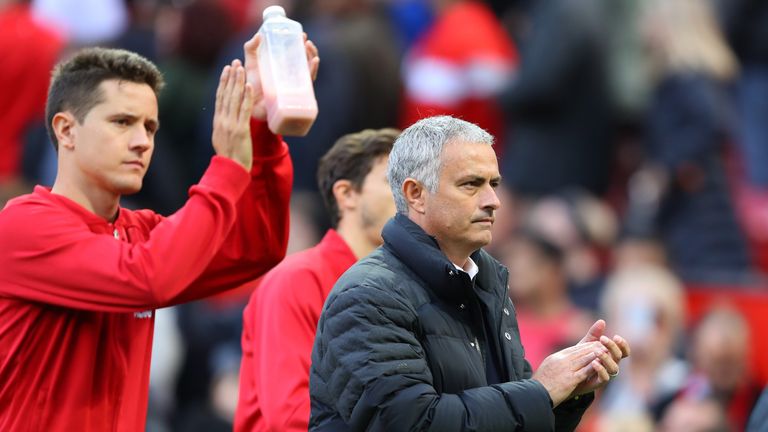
x=278, y=333
x=77, y=293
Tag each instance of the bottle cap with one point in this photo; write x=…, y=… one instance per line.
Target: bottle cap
x=273, y=11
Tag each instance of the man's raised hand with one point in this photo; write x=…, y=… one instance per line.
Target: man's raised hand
x=251, y=49
x=231, y=120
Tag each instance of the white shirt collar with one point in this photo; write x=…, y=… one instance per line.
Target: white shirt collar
x=471, y=268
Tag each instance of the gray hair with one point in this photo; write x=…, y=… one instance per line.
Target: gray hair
x=417, y=152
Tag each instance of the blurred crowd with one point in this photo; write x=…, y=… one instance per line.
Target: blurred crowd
x=632, y=138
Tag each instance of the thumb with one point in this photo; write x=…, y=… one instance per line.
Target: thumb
x=252, y=46
x=594, y=332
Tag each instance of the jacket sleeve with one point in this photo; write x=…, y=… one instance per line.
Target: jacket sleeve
x=48, y=256
x=568, y=414
x=259, y=238
x=369, y=369
x=286, y=312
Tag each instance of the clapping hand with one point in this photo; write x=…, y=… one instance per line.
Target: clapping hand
x=607, y=367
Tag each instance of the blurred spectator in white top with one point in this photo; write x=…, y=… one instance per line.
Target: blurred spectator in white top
x=647, y=304
x=85, y=22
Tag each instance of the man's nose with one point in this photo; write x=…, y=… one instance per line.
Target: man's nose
x=141, y=139
x=490, y=199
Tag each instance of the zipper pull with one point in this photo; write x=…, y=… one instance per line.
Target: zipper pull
x=116, y=234
x=477, y=344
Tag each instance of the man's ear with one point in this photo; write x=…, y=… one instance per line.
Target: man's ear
x=63, y=124
x=415, y=194
x=345, y=195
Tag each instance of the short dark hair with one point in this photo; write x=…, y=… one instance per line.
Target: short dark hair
x=351, y=158
x=547, y=249
x=75, y=82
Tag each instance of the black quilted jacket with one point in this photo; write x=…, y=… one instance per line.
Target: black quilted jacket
x=400, y=346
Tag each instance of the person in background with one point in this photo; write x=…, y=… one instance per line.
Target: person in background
x=538, y=286
x=638, y=249
x=694, y=415
x=720, y=353
x=646, y=303
x=559, y=108
x=744, y=23
x=84, y=22
x=459, y=66
x=689, y=122
x=421, y=334
x=81, y=276
x=29, y=49
x=281, y=318
x=583, y=228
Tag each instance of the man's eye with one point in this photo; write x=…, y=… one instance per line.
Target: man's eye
x=122, y=122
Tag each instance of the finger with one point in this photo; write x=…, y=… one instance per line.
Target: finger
x=612, y=347
x=226, y=97
x=579, y=351
x=584, y=347
x=236, y=99
x=609, y=363
x=584, y=360
x=223, y=80
x=594, y=332
x=602, y=373
x=314, y=66
x=312, y=58
x=247, y=106
x=311, y=49
x=251, y=47
x=623, y=345
x=585, y=372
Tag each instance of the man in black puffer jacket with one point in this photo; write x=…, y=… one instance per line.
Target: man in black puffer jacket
x=421, y=334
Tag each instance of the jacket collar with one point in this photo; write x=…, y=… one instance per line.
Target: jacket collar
x=420, y=252
x=93, y=220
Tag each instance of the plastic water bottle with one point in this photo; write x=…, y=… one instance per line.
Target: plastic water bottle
x=284, y=71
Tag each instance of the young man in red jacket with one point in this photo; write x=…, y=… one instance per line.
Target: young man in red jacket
x=80, y=276
x=280, y=320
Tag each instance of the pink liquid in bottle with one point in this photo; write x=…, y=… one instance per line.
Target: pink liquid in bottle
x=284, y=72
